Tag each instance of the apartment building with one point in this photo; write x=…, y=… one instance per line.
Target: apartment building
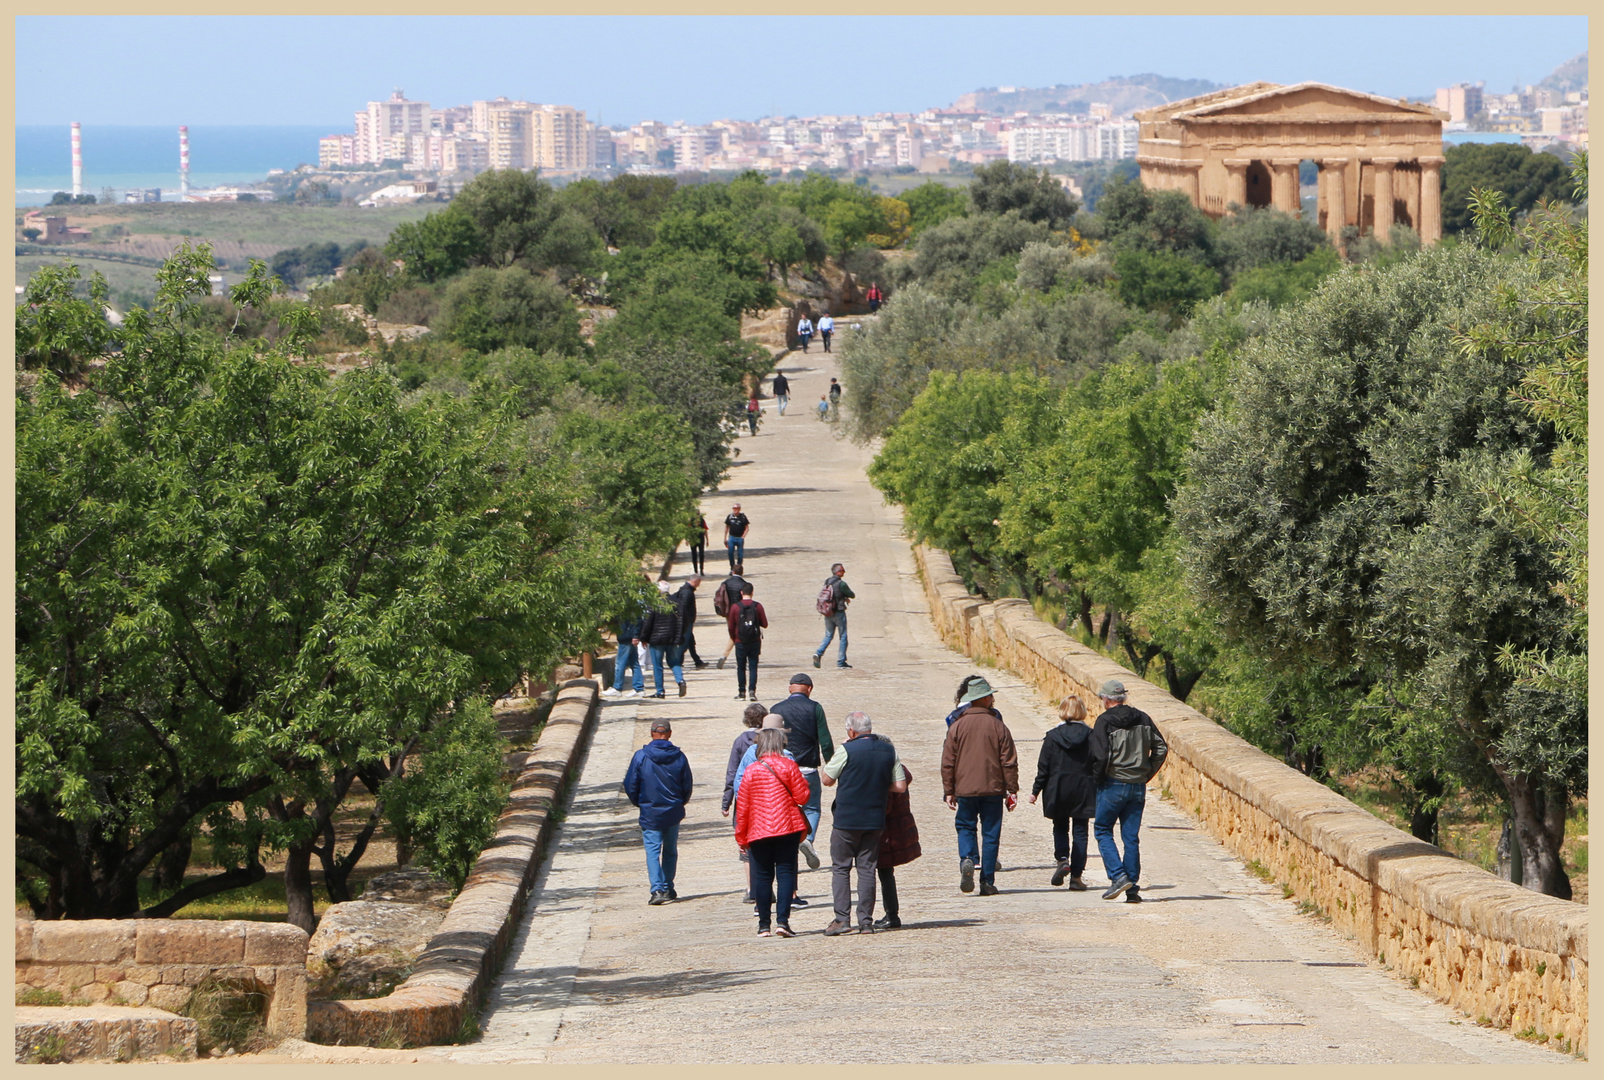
x=382, y=122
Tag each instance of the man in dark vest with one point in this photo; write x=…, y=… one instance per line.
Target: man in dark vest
x=864, y=772
x=808, y=740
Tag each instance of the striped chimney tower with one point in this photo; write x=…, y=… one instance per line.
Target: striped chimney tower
x=183, y=161
x=77, y=158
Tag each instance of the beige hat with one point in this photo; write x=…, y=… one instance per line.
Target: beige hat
x=774, y=722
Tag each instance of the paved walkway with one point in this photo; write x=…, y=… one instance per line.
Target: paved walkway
x=1216, y=967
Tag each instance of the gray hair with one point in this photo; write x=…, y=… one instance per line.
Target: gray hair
x=859, y=722
x=770, y=741
x=1118, y=698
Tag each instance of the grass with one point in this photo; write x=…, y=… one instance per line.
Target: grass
x=228, y=1016
x=52, y=1050
x=1260, y=871
x=35, y=996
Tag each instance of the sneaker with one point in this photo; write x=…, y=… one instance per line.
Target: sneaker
x=809, y=854
x=987, y=889
x=660, y=696
x=611, y=691
x=1076, y=885
x=798, y=902
x=888, y=922
x=748, y=899
x=764, y=931
x=783, y=931
x=1120, y=885
x=630, y=694
x=721, y=663
x=966, y=875
x=843, y=664
x=740, y=695
x=682, y=689
x=815, y=660
x=836, y=927
x=700, y=664
x=1132, y=896
x=672, y=895
x=1061, y=873
x=866, y=928
x=658, y=898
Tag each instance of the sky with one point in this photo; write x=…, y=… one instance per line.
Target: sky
x=623, y=69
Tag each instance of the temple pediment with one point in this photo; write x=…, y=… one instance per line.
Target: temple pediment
x=1302, y=102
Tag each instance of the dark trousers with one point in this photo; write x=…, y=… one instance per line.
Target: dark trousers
x=888, y=890
x=1061, y=848
x=774, y=872
x=825, y=334
x=699, y=556
x=746, y=667
x=849, y=848
x=690, y=645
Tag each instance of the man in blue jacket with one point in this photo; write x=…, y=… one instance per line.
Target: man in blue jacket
x=659, y=782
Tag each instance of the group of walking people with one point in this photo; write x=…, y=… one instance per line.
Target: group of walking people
x=1091, y=776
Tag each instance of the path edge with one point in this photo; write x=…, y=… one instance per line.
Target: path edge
x=1498, y=952
x=439, y=1003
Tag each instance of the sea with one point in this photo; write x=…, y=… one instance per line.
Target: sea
x=124, y=158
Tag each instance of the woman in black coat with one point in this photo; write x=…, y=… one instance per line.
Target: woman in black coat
x=1063, y=771
x=662, y=632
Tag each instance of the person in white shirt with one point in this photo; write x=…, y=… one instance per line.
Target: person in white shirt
x=804, y=330
x=826, y=328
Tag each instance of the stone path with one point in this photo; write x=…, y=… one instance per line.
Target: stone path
x=1216, y=967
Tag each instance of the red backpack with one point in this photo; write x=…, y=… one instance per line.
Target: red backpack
x=826, y=601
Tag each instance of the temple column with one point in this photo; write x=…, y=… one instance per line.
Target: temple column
x=1383, y=198
x=1430, y=200
x=1334, y=171
x=1187, y=181
x=1236, y=183
x=1284, y=184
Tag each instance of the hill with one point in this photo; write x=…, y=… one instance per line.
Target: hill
x=1125, y=94
x=1571, y=75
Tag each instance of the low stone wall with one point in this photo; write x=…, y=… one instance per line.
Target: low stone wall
x=450, y=979
x=1484, y=945
x=159, y=962
x=101, y=1033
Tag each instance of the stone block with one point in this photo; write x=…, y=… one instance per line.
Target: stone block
x=265, y=976
x=109, y=975
x=190, y=941
x=24, y=929
x=274, y=943
x=131, y=992
x=76, y=975
x=171, y=998
x=144, y=974
x=83, y=941
x=39, y=974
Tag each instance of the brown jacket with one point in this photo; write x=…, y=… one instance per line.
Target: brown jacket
x=979, y=756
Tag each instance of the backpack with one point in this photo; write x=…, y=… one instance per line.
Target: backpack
x=747, y=631
x=826, y=601
x=721, y=601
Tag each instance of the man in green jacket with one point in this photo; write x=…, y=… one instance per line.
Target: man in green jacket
x=1127, y=750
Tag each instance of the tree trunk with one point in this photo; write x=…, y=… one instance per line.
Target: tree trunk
x=1180, y=683
x=1428, y=790
x=173, y=863
x=298, y=887
x=1542, y=869
x=1086, y=612
x=1110, y=628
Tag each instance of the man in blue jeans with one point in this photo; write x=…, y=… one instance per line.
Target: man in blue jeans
x=841, y=595
x=1127, y=751
x=979, y=778
x=659, y=782
x=736, y=527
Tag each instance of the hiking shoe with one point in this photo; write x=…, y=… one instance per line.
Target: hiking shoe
x=809, y=854
x=1132, y=896
x=682, y=689
x=721, y=663
x=1076, y=885
x=966, y=875
x=1120, y=885
x=888, y=922
x=658, y=898
x=798, y=902
x=836, y=927
x=784, y=931
x=815, y=659
x=1061, y=873
x=987, y=889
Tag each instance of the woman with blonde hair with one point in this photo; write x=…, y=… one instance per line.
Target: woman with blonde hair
x=1063, y=772
x=770, y=826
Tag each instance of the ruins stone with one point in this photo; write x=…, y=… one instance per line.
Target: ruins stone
x=409, y=885
x=364, y=948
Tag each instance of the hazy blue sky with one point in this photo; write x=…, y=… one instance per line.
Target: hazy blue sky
x=318, y=70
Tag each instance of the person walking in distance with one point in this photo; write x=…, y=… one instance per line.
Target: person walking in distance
x=1127, y=751
x=781, y=388
x=876, y=298
x=747, y=621
x=628, y=654
x=663, y=635
x=752, y=716
x=864, y=772
x=958, y=708
x=769, y=826
x=826, y=329
x=899, y=845
x=699, y=543
x=832, y=604
x=685, y=603
x=835, y=394
x=727, y=596
x=754, y=409
x=659, y=783
x=1064, y=779
x=824, y=407
x=804, y=331
x=808, y=738
x=979, y=776
x=736, y=529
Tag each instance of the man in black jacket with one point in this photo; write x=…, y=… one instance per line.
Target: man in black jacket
x=808, y=740
x=685, y=604
x=662, y=634
x=864, y=772
x=1127, y=751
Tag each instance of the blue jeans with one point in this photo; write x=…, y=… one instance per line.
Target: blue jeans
x=988, y=809
x=745, y=668
x=676, y=661
x=1123, y=802
x=628, y=657
x=810, y=809
x=783, y=400
x=832, y=623
x=736, y=545
x=662, y=856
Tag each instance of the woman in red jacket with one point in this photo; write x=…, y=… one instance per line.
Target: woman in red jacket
x=769, y=825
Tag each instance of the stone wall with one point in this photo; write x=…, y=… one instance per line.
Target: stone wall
x=450, y=979
x=159, y=962
x=1488, y=947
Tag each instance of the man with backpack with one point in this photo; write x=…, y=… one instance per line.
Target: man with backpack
x=832, y=604
x=727, y=596
x=747, y=621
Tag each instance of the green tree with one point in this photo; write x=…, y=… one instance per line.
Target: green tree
x=441, y=245
x=55, y=328
x=1035, y=195
x=1163, y=282
x=520, y=219
x=1279, y=284
x=931, y=203
x=489, y=309
x=1523, y=178
x=1250, y=238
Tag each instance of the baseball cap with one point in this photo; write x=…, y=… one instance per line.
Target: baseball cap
x=1111, y=688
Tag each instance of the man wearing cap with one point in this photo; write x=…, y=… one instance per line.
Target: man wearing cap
x=1126, y=751
x=810, y=744
x=736, y=528
x=659, y=782
x=979, y=771
x=864, y=772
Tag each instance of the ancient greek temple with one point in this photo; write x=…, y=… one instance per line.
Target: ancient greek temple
x=1379, y=159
